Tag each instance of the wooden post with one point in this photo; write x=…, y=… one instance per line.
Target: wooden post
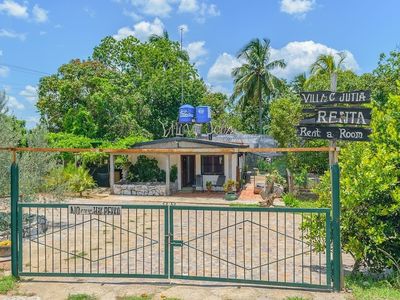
x=111, y=177
x=167, y=174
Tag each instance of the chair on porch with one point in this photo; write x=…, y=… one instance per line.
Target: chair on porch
x=220, y=181
x=199, y=183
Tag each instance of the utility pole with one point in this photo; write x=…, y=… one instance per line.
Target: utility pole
x=181, y=31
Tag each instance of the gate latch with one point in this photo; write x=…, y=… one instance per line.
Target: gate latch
x=177, y=243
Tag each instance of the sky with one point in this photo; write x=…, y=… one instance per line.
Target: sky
x=37, y=37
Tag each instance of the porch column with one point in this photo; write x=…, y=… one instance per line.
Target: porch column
x=167, y=171
x=230, y=162
x=111, y=177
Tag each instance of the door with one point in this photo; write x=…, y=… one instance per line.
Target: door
x=188, y=169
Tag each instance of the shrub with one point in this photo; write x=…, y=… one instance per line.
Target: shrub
x=229, y=185
x=145, y=170
x=78, y=178
x=262, y=165
x=173, y=175
x=290, y=200
x=370, y=193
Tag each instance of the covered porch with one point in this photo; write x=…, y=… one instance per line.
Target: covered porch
x=196, y=162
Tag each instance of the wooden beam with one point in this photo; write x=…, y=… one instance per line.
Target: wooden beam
x=172, y=150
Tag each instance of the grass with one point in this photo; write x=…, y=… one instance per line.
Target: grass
x=367, y=288
x=81, y=297
x=7, y=283
x=291, y=201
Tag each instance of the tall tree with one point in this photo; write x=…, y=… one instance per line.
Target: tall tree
x=253, y=80
x=326, y=64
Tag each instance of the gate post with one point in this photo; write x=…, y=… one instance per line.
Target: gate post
x=335, y=176
x=14, y=216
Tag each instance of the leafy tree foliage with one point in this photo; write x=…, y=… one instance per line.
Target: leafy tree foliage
x=370, y=191
x=87, y=98
x=155, y=69
x=254, y=84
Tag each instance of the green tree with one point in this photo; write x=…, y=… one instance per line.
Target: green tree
x=326, y=64
x=156, y=69
x=88, y=98
x=253, y=80
x=370, y=192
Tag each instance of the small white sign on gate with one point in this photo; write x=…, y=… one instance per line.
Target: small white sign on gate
x=111, y=210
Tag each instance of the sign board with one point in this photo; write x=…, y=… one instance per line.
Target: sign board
x=327, y=97
x=338, y=133
x=339, y=115
x=106, y=210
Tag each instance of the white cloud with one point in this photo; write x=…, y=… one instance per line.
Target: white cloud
x=30, y=93
x=159, y=8
x=142, y=30
x=4, y=71
x=297, y=7
x=221, y=70
x=219, y=89
x=188, y=6
x=132, y=15
x=196, y=51
x=300, y=55
x=39, y=14
x=201, y=11
x=14, y=9
x=184, y=27
x=13, y=103
x=12, y=34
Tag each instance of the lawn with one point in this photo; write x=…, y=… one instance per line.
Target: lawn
x=7, y=283
x=366, y=288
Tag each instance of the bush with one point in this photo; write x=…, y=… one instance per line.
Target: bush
x=71, y=178
x=262, y=165
x=370, y=193
x=290, y=200
x=173, y=175
x=146, y=170
x=78, y=178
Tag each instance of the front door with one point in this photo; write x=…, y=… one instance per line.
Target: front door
x=188, y=164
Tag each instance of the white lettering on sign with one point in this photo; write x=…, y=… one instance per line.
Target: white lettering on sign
x=341, y=117
x=310, y=133
x=94, y=210
x=344, y=134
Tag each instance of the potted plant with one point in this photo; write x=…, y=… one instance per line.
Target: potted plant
x=5, y=248
x=230, y=189
x=209, y=186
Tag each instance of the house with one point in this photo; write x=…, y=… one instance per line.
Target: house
x=192, y=156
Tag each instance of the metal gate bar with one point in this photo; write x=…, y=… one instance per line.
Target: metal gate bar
x=230, y=244
x=54, y=242
x=249, y=245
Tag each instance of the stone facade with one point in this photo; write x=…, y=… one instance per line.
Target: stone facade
x=144, y=189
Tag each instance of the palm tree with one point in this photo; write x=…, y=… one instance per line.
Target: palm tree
x=155, y=37
x=253, y=80
x=299, y=82
x=326, y=64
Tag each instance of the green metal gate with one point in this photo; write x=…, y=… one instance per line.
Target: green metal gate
x=230, y=244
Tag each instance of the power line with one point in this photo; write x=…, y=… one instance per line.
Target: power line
x=24, y=69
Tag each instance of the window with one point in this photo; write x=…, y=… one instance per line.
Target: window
x=212, y=164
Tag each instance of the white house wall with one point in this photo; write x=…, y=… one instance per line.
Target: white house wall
x=230, y=164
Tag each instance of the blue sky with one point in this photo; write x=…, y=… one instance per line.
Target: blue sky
x=36, y=37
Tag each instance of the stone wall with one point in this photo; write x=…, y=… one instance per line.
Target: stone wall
x=144, y=189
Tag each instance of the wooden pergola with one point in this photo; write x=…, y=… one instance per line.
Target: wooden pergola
x=167, y=152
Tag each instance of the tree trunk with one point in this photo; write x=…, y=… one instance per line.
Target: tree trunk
x=260, y=130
